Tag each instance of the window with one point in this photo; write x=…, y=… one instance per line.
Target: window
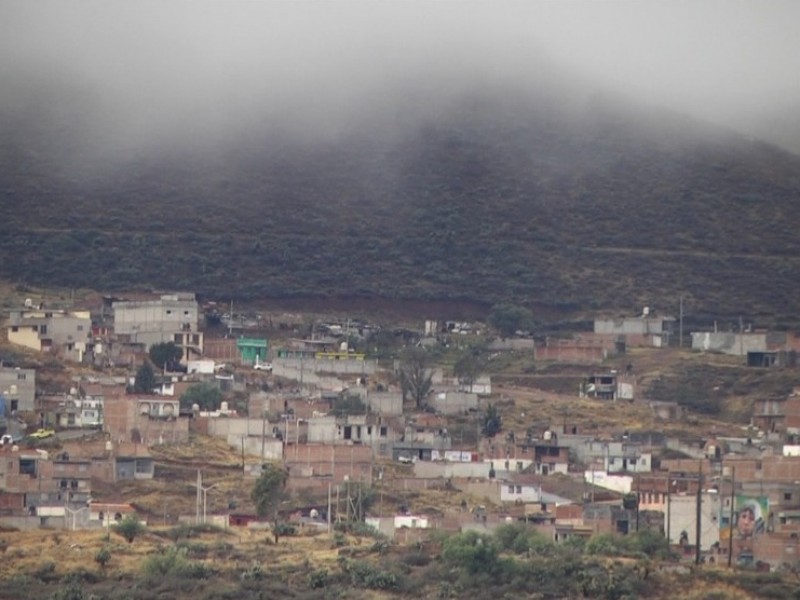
x=21, y=376
x=519, y=489
x=80, y=328
x=27, y=466
x=14, y=329
x=383, y=431
x=511, y=489
x=787, y=495
x=43, y=329
x=186, y=313
x=169, y=312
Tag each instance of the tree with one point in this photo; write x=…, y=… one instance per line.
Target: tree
x=473, y=551
x=102, y=557
x=129, y=528
x=509, y=318
x=145, y=379
x=415, y=375
x=205, y=395
x=468, y=367
x=166, y=355
x=349, y=404
x=268, y=493
x=492, y=421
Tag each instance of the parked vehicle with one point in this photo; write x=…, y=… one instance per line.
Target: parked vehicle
x=41, y=434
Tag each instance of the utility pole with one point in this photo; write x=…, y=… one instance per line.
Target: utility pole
x=197, y=502
x=730, y=517
x=638, y=499
x=698, y=521
x=263, y=432
x=329, y=508
x=669, y=507
x=680, y=327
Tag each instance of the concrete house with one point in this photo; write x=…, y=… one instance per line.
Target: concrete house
x=170, y=318
x=369, y=430
x=614, y=456
x=520, y=490
x=66, y=333
x=644, y=330
x=71, y=410
x=19, y=388
x=608, y=386
x=453, y=402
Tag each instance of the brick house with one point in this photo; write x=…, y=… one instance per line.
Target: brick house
x=145, y=419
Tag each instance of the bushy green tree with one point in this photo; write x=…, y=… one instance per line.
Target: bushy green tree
x=521, y=538
x=492, y=421
x=145, y=379
x=207, y=396
x=102, y=557
x=605, y=544
x=129, y=528
x=268, y=493
x=475, y=552
x=166, y=355
x=509, y=318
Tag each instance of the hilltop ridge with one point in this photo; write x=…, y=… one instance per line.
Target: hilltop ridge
x=552, y=199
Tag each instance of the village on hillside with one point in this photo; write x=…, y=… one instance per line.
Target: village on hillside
x=406, y=429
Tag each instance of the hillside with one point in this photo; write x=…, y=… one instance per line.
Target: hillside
x=563, y=199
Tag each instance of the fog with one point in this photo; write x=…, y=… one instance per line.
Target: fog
x=137, y=72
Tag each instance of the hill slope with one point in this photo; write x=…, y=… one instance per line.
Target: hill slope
x=539, y=198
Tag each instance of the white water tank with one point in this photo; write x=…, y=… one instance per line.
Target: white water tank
x=223, y=407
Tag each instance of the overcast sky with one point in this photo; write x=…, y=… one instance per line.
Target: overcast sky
x=162, y=66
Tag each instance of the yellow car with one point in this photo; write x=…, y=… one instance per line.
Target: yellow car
x=41, y=434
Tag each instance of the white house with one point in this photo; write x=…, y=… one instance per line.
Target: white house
x=520, y=492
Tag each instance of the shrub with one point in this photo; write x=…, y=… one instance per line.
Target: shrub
x=254, y=573
x=129, y=528
x=649, y=542
x=605, y=544
x=282, y=529
x=102, y=557
x=318, y=579
x=46, y=572
x=365, y=574
x=472, y=551
x=173, y=563
x=522, y=539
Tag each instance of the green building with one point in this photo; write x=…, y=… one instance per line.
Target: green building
x=252, y=350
